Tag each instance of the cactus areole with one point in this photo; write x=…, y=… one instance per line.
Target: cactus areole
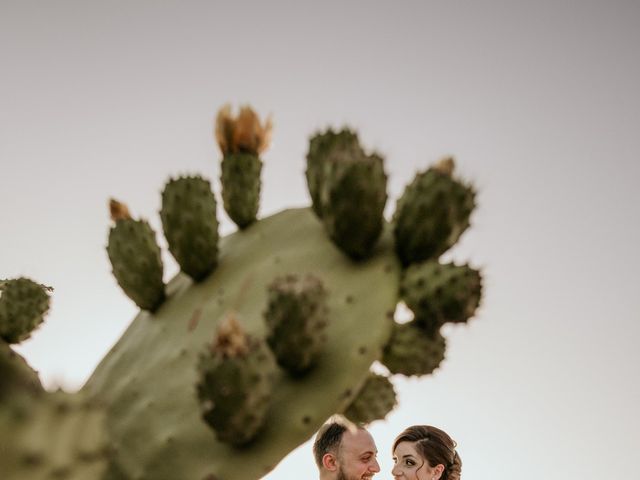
x=262, y=335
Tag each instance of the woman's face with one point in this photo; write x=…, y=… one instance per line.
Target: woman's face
x=409, y=464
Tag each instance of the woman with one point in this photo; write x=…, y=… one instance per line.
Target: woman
x=423, y=452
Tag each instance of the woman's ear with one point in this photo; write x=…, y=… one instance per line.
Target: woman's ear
x=329, y=462
x=437, y=470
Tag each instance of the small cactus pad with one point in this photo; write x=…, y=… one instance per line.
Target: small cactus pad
x=190, y=225
x=241, y=140
x=136, y=262
x=23, y=304
x=439, y=293
x=154, y=416
x=353, y=196
x=236, y=376
x=431, y=214
x=297, y=321
x=375, y=400
x=61, y=437
x=240, y=180
x=321, y=146
x=413, y=351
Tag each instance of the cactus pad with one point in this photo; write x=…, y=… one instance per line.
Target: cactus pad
x=190, y=225
x=321, y=146
x=375, y=400
x=439, y=293
x=135, y=258
x=23, y=304
x=352, y=196
x=153, y=408
x=236, y=381
x=413, y=351
x=297, y=321
x=431, y=214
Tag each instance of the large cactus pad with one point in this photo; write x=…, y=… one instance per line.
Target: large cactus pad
x=148, y=379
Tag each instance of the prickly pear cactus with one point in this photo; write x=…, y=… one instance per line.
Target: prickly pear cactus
x=268, y=332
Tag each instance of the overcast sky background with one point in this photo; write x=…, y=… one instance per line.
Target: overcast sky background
x=539, y=102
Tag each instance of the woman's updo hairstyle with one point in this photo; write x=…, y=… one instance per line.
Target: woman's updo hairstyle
x=436, y=447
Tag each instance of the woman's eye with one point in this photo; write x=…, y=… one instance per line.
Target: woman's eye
x=410, y=463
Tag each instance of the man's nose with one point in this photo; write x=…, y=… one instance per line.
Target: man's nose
x=375, y=467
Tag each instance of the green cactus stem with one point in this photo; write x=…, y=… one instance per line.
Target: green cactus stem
x=236, y=376
x=23, y=304
x=190, y=225
x=297, y=320
x=412, y=351
x=321, y=146
x=135, y=258
x=375, y=400
x=432, y=213
x=439, y=293
x=241, y=141
x=63, y=436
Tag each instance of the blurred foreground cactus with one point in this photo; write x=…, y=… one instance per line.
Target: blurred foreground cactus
x=263, y=335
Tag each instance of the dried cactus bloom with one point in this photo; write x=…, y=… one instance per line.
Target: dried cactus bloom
x=445, y=165
x=231, y=339
x=118, y=210
x=241, y=140
x=243, y=134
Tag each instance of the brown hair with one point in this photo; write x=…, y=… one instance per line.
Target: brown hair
x=328, y=440
x=436, y=447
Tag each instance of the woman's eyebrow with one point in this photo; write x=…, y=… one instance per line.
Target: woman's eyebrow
x=407, y=456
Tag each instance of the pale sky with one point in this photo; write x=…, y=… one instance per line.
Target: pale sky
x=538, y=101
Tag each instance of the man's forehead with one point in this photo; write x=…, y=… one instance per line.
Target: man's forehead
x=358, y=442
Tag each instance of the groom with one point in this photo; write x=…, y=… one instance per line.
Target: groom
x=345, y=453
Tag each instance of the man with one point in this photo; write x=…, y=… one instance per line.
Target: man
x=345, y=453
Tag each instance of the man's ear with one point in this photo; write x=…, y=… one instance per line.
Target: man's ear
x=330, y=462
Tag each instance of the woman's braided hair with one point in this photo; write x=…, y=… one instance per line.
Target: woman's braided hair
x=436, y=447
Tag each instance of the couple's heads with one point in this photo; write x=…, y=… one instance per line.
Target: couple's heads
x=345, y=452
x=423, y=452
